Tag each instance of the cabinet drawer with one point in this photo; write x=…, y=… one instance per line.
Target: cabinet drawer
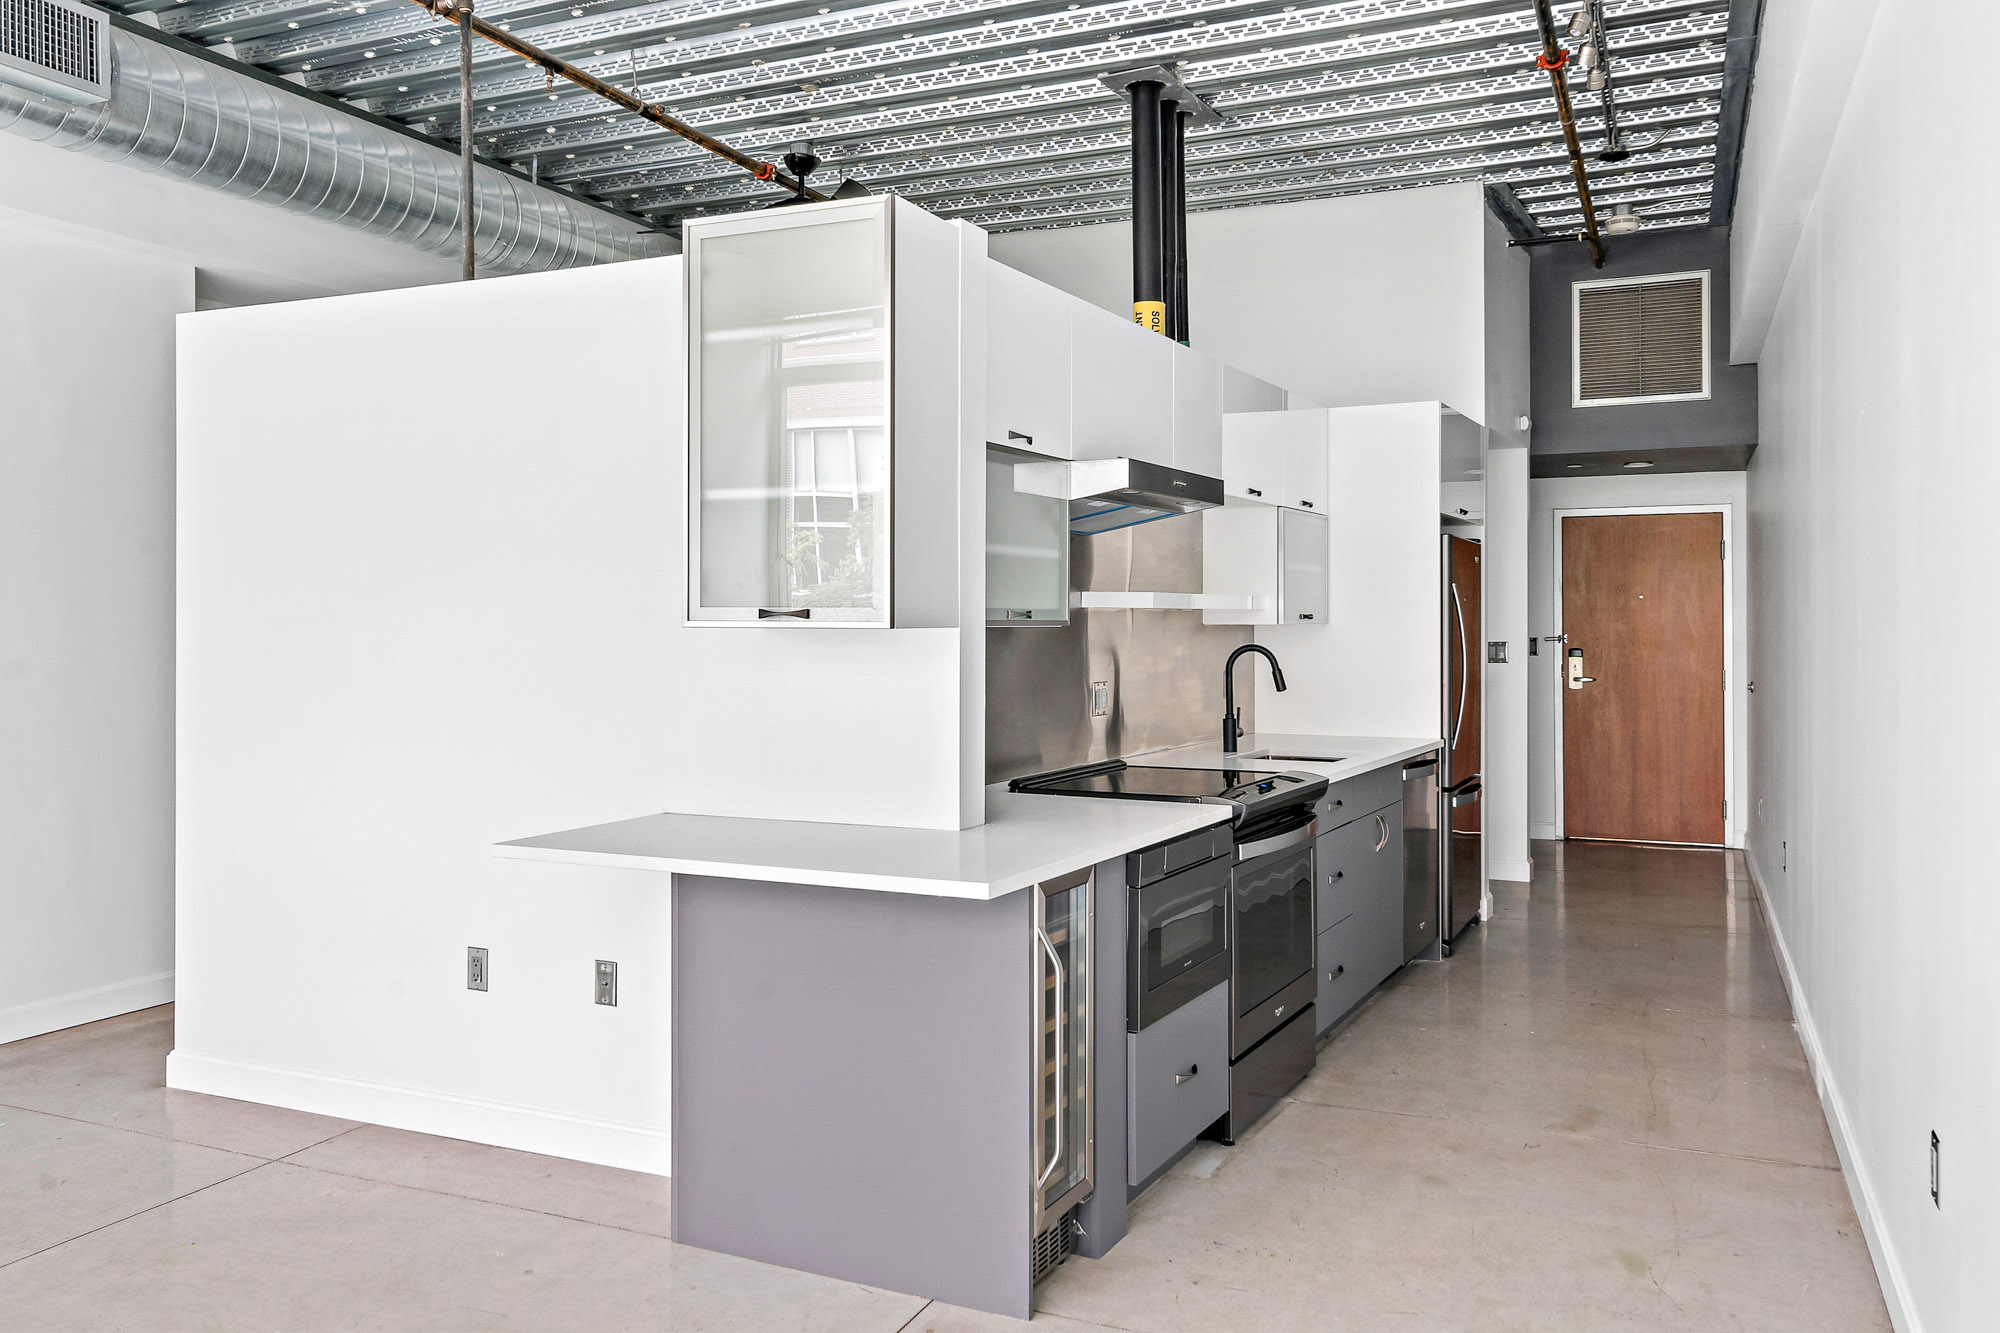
x=1176, y=1081
x=1362, y=794
x=1354, y=865
x=1344, y=975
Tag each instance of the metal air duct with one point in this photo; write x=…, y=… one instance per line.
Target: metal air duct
x=194, y=120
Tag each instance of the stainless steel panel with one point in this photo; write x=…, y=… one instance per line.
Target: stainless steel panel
x=1165, y=667
x=1421, y=860
x=1177, y=1081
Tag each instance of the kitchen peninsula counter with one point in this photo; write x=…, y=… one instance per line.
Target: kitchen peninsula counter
x=1025, y=840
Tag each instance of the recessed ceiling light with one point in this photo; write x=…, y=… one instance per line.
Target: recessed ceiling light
x=1640, y=462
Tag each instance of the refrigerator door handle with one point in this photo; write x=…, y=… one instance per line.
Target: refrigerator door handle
x=1464, y=666
x=1422, y=769
x=1465, y=795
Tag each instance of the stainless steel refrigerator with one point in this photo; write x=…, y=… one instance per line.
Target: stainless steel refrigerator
x=1460, y=862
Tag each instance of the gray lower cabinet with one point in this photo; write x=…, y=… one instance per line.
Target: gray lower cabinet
x=1177, y=1081
x=1345, y=976
x=1360, y=908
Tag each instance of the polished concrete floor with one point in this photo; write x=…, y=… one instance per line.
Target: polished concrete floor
x=1595, y=1116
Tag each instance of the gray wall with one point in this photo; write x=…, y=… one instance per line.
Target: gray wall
x=1165, y=667
x=1726, y=420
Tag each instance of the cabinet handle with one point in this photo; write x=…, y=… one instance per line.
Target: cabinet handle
x=1305, y=504
x=1252, y=490
x=1337, y=973
x=1305, y=615
x=1336, y=876
x=1056, y=1156
x=765, y=613
x=1182, y=1078
x=1383, y=840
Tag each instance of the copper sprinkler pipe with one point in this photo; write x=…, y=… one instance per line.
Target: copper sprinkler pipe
x=534, y=55
x=1553, y=59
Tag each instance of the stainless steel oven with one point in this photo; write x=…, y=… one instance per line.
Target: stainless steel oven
x=1179, y=909
x=1271, y=978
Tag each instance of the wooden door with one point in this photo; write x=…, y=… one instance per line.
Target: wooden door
x=1465, y=672
x=1642, y=740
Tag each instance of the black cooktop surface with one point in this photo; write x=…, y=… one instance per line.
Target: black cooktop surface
x=1224, y=786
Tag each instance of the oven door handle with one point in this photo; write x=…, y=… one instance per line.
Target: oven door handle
x=1301, y=836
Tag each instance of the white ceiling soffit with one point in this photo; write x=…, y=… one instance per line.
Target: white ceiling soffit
x=991, y=110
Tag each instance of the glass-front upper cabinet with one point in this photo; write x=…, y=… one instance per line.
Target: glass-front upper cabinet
x=789, y=417
x=1027, y=544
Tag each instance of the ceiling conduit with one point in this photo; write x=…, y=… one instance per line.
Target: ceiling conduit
x=181, y=116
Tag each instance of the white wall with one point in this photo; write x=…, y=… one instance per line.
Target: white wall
x=1374, y=668
x=1875, y=719
x=1547, y=495
x=1504, y=742
x=86, y=623
x=415, y=621
x=1366, y=299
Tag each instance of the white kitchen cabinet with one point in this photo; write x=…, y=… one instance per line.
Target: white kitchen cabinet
x=1197, y=412
x=1027, y=363
x=1277, y=556
x=1252, y=465
x=1304, y=446
x=1122, y=389
x=1277, y=458
x=806, y=461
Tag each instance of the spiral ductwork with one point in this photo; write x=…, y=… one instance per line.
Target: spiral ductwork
x=182, y=116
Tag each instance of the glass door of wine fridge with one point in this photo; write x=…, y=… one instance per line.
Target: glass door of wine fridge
x=1065, y=1148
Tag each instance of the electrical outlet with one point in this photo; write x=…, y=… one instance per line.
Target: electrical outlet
x=1100, y=698
x=1934, y=1171
x=607, y=982
x=475, y=969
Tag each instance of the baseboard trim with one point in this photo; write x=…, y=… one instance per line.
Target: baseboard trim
x=551, y=1133
x=1544, y=833
x=1888, y=1265
x=1519, y=872
x=85, y=1006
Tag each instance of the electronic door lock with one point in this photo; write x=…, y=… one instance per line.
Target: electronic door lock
x=1577, y=680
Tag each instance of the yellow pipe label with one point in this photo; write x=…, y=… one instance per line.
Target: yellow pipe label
x=1151, y=314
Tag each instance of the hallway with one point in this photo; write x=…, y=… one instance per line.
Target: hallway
x=1596, y=1116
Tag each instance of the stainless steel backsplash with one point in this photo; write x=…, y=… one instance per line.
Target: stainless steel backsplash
x=1165, y=667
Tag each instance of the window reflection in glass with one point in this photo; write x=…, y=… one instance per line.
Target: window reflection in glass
x=792, y=448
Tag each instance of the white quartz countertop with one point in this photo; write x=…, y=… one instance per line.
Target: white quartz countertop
x=1345, y=756
x=1025, y=840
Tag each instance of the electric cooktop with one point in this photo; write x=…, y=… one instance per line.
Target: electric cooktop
x=1249, y=791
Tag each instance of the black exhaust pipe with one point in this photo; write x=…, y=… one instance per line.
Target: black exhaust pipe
x=1149, y=305
x=1173, y=127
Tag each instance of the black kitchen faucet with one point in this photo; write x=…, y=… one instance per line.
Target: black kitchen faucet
x=1232, y=720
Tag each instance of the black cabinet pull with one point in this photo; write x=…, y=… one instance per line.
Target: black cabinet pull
x=1336, y=875
x=1182, y=1078
x=1305, y=504
x=1253, y=490
x=1337, y=972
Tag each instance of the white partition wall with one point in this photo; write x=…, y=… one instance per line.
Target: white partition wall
x=431, y=598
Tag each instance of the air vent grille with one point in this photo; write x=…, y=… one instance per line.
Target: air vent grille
x=57, y=48
x=1054, y=1246
x=1642, y=340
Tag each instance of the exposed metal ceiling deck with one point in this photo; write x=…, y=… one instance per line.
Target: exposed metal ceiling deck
x=991, y=110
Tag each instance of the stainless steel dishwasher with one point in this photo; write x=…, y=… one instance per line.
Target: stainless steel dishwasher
x=1421, y=886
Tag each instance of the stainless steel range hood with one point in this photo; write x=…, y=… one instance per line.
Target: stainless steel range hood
x=1110, y=493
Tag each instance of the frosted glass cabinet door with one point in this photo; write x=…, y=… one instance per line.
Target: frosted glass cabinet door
x=1027, y=549
x=1303, y=590
x=788, y=402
